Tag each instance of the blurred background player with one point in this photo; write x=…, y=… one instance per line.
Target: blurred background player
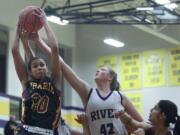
x=10, y=126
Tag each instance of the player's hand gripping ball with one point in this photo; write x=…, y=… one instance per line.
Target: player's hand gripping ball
x=31, y=20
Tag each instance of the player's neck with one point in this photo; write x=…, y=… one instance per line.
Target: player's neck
x=160, y=130
x=104, y=88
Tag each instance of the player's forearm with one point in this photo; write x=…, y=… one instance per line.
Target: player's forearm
x=28, y=51
x=18, y=61
x=15, y=45
x=128, y=120
x=43, y=46
x=51, y=37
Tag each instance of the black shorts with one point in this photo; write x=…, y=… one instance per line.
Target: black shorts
x=21, y=131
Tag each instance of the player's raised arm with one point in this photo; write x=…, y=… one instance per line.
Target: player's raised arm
x=18, y=60
x=52, y=42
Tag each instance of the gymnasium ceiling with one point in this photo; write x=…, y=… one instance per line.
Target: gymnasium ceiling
x=157, y=22
x=113, y=11
x=166, y=33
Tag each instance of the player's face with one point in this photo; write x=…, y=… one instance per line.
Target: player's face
x=38, y=68
x=155, y=115
x=102, y=74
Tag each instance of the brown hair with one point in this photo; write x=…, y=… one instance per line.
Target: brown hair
x=114, y=83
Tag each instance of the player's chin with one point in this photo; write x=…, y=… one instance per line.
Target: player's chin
x=96, y=78
x=39, y=76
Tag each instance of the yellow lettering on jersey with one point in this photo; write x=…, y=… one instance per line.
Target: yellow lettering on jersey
x=45, y=85
x=42, y=86
x=39, y=86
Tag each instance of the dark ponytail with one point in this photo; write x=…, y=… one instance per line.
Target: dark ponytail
x=170, y=110
x=114, y=83
x=177, y=126
x=117, y=86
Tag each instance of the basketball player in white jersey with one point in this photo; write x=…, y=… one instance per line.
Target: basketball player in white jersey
x=100, y=102
x=100, y=111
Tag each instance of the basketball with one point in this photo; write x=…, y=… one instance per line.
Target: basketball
x=31, y=20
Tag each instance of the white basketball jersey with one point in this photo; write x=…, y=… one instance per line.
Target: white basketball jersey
x=100, y=111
